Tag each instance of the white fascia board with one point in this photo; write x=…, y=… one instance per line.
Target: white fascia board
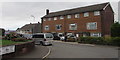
x=106, y=6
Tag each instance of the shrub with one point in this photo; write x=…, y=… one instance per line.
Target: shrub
x=100, y=40
x=20, y=39
x=91, y=40
x=115, y=41
x=107, y=41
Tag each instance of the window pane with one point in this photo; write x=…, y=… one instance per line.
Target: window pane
x=61, y=17
x=55, y=18
x=46, y=27
x=86, y=14
x=96, y=13
x=49, y=19
x=68, y=16
x=73, y=26
x=58, y=27
x=77, y=15
x=38, y=36
x=44, y=19
x=92, y=25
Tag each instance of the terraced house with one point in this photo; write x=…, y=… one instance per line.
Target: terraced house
x=94, y=20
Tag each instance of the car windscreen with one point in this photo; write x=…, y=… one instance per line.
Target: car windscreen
x=38, y=36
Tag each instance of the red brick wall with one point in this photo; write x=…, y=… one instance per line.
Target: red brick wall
x=107, y=20
x=81, y=23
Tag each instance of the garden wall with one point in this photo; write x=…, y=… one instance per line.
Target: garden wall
x=20, y=49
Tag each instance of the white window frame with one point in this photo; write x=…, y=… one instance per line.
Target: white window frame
x=55, y=18
x=46, y=26
x=59, y=26
x=77, y=15
x=86, y=14
x=95, y=34
x=70, y=28
x=44, y=19
x=61, y=17
x=49, y=19
x=96, y=13
x=89, y=27
x=69, y=16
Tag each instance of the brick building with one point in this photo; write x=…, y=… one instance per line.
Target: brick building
x=94, y=20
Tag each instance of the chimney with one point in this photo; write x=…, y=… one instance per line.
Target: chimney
x=47, y=11
x=38, y=22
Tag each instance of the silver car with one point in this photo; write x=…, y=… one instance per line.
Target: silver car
x=43, y=38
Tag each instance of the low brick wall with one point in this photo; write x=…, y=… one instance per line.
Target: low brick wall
x=21, y=49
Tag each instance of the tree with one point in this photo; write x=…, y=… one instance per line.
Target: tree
x=115, y=30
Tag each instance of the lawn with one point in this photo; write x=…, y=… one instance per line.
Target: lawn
x=8, y=42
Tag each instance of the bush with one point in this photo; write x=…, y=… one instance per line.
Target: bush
x=91, y=40
x=20, y=39
x=100, y=40
x=116, y=41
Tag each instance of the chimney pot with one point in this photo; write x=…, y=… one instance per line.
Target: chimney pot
x=47, y=11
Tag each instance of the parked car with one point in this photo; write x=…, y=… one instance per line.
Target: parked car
x=62, y=37
x=43, y=38
x=56, y=37
x=71, y=38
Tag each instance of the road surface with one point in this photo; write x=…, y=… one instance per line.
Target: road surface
x=71, y=50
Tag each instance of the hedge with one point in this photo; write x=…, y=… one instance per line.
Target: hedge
x=100, y=40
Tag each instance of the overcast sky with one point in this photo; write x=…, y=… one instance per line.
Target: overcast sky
x=16, y=14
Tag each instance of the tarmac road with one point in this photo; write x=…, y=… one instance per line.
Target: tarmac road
x=74, y=50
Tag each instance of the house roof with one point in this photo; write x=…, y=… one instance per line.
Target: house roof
x=77, y=10
x=28, y=26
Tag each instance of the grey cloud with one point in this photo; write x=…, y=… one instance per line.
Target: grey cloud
x=16, y=14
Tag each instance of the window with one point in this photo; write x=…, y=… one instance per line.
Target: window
x=46, y=27
x=92, y=26
x=38, y=36
x=49, y=35
x=86, y=14
x=95, y=34
x=77, y=15
x=49, y=19
x=73, y=27
x=68, y=16
x=61, y=17
x=55, y=18
x=96, y=13
x=58, y=27
x=44, y=19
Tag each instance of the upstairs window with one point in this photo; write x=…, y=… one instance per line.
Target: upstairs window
x=46, y=27
x=86, y=14
x=77, y=15
x=92, y=26
x=73, y=27
x=44, y=19
x=61, y=17
x=58, y=27
x=55, y=18
x=49, y=19
x=96, y=13
x=69, y=16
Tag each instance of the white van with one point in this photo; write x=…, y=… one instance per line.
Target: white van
x=43, y=38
